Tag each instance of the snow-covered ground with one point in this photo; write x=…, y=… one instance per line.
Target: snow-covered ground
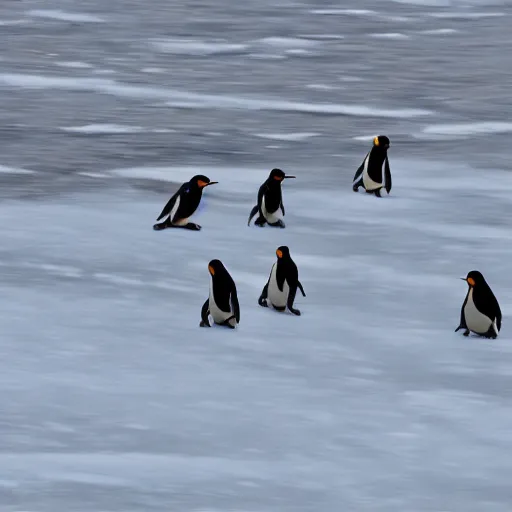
x=112, y=399
x=114, y=396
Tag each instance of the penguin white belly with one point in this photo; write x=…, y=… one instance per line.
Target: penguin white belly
x=217, y=314
x=272, y=218
x=177, y=222
x=275, y=295
x=369, y=184
x=476, y=321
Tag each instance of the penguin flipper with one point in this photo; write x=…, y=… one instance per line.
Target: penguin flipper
x=387, y=176
x=235, y=304
x=168, y=207
x=205, y=311
x=299, y=284
x=291, y=299
x=282, y=207
x=262, y=301
x=462, y=324
x=357, y=181
x=254, y=211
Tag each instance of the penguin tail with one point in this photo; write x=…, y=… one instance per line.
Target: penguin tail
x=254, y=211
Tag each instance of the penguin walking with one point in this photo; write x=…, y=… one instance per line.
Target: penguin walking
x=374, y=173
x=183, y=204
x=222, y=303
x=282, y=283
x=480, y=311
x=270, y=201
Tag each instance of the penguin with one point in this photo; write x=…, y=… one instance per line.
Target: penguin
x=270, y=201
x=282, y=283
x=480, y=311
x=222, y=303
x=374, y=173
x=183, y=204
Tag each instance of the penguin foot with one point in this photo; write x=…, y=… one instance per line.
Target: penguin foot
x=263, y=302
x=260, y=221
x=160, y=226
x=355, y=188
x=377, y=193
x=466, y=333
x=192, y=227
x=279, y=308
x=204, y=324
x=278, y=224
x=295, y=311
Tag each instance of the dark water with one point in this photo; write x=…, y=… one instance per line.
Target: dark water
x=461, y=75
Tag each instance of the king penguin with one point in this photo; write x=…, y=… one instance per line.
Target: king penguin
x=480, y=311
x=222, y=303
x=282, y=283
x=183, y=204
x=374, y=173
x=270, y=201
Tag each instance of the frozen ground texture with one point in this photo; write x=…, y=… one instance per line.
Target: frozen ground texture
x=112, y=399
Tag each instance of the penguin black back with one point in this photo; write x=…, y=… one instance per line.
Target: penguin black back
x=282, y=284
x=270, y=201
x=480, y=312
x=374, y=173
x=183, y=204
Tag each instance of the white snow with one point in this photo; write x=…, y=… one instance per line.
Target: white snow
x=180, y=46
x=74, y=64
x=178, y=98
x=4, y=169
x=57, y=14
x=466, y=15
x=349, y=12
x=367, y=402
x=468, y=129
x=111, y=129
x=439, y=31
x=390, y=35
x=292, y=137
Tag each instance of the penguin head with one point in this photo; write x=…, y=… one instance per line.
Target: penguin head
x=216, y=268
x=278, y=175
x=382, y=142
x=283, y=253
x=201, y=181
x=474, y=278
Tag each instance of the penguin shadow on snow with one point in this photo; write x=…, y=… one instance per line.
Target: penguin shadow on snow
x=480, y=313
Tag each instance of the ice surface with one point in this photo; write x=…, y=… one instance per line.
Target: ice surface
x=120, y=395
x=113, y=399
x=57, y=14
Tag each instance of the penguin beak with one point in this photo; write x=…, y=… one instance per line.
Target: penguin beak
x=289, y=176
x=211, y=183
x=463, y=278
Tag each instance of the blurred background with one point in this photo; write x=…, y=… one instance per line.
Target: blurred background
x=111, y=398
